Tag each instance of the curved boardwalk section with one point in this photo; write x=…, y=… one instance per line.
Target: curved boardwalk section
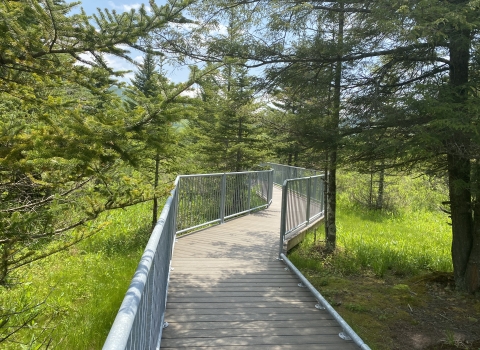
x=228, y=291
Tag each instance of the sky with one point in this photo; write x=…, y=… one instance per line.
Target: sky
x=177, y=75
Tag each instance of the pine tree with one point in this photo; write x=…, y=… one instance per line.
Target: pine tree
x=67, y=146
x=228, y=125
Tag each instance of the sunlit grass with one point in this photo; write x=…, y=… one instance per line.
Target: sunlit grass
x=84, y=286
x=405, y=241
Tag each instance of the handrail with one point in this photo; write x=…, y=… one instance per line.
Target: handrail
x=140, y=320
x=348, y=332
x=134, y=327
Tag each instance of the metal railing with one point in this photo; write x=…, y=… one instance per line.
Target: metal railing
x=287, y=172
x=139, y=322
x=302, y=204
x=212, y=197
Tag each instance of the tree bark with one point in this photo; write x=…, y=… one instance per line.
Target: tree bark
x=472, y=272
x=330, y=222
x=155, y=185
x=465, y=249
x=381, y=189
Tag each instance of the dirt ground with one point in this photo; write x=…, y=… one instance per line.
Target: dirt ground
x=399, y=313
x=445, y=319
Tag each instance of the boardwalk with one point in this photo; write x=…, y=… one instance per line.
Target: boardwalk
x=228, y=291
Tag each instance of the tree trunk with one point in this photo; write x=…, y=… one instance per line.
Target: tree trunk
x=325, y=194
x=370, y=192
x=330, y=222
x=238, y=165
x=155, y=185
x=381, y=189
x=460, y=206
x=465, y=242
x=472, y=272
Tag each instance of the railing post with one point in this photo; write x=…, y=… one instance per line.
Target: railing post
x=283, y=216
x=223, y=194
x=176, y=200
x=270, y=186
x=309, y=195
x=249, y=189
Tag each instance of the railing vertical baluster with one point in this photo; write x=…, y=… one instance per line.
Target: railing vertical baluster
x=249, y=190
x=223, y=197
x=309, y=194
x=283, y=216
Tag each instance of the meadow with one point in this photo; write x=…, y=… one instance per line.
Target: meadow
x=71, y=298
x=409, y=236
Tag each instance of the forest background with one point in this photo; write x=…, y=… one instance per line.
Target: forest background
x=380, y=87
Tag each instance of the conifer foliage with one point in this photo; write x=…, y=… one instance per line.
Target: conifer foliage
x=68, y=148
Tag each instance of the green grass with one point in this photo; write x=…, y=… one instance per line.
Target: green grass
x=405, y=240
x=380, y=242
x=82, y=287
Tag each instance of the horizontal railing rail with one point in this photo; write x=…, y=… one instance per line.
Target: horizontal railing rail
x=195, y=201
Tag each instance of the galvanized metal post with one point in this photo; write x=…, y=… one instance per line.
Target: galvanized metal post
x=283, y=217
x=223, y=196
x=270, y=186
x=176, y=200
x=249, y=189
x=309, y=195
x=322, y=196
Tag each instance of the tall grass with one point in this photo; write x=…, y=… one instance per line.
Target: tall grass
x=411, y=236
x=82, y=288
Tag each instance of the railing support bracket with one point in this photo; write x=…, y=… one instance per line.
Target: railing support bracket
x=344, y=336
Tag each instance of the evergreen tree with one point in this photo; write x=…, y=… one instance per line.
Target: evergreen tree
x=66, y=144
x=228, y=125
x=155, y=95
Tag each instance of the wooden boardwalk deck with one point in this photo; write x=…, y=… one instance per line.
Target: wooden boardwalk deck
x=228, y=291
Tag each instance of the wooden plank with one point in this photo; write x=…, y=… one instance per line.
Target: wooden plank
x=228, y=299
x=254, y=341
x=255, y=332
x=212, y=310
x=238, y=293
x=299, y=305
x=239, y=287
x=345, y=346
x=174, y=326
x=182, y=317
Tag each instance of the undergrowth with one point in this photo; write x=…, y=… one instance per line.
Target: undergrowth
x=75, y=294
